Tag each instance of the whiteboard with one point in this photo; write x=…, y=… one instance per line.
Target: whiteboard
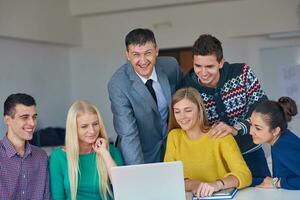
x=280, y=69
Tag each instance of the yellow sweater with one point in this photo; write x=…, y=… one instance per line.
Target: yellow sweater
x=207, y=159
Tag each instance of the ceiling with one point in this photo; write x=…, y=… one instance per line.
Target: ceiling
x=98, y=7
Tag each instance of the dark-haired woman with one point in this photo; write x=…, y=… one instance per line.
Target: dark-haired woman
x=269, y=124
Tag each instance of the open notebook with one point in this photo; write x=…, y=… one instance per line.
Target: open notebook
x=156, y=181
x=222, y=194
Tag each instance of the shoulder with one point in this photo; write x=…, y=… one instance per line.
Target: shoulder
x=234, y=68
x=120, y=75
x=228, y=140
x=190, y=79
x=287, y=140
x=113, y=150
x=58, y=154
x=169, y=65
x=38, y=152
x=166, y=60
x=287, y=149
x=288, y=135
x=116, y=154
x=176, y=133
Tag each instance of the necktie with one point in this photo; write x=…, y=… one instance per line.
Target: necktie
x=151, y=90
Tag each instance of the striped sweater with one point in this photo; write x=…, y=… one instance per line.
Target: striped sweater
x=232, y=101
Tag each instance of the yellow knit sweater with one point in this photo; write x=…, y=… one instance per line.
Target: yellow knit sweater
x=207, y=159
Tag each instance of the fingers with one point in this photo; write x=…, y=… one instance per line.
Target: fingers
x=101, y=142
x=218, y=134
x=95, y=148
x=100, y=145
x=205, y=189
x=220, y=129
x=267, y=183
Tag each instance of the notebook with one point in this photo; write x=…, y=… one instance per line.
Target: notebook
x=222, y=194
x=156, y=181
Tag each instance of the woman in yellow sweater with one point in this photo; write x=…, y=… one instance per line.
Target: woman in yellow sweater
x=210, y=164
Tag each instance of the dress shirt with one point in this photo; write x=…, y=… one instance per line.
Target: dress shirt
x=24, y=177
x=161, y=100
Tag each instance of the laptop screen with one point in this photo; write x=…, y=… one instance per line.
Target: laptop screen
x=156, y=181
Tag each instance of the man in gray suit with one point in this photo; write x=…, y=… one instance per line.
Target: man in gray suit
x=140, y=94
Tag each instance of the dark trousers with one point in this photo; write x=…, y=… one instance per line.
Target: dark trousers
x=258, y=166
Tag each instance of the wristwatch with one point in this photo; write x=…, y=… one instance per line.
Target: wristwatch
x=274, y=182
x=238, y=127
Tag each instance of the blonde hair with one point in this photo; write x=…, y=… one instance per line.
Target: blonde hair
x=77, y=109
x=194, y=96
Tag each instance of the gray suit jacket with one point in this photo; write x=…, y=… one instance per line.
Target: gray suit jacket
x=137, y=120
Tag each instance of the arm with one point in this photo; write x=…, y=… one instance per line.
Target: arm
x=288, y=155
x=235, y=162
x=291, y=183
x=285, y=182
x=170, y=154
x=202, y=189
x=47, y=195
x=101, y=148
x=254, y=95
x=56, y=166
x=125, y=125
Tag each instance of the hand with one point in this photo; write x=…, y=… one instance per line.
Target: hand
x=100, y=145
x=267, y=183
x=221, y=129
x=191, y=185
x=207, y=189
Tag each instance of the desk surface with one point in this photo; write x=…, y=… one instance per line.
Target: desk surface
x=264, y=194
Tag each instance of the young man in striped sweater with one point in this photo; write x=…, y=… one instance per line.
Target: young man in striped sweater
x=230, y=92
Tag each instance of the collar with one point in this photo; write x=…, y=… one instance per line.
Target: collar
x=11, y=151
x=153, y=76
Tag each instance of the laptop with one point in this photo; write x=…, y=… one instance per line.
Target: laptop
x=155, y=181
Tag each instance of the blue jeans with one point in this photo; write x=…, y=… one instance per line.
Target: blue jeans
x=258, y=166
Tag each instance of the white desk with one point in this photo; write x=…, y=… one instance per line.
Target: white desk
x=262, y=194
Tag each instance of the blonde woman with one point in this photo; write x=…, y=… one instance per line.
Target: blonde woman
x=210, y=164
x=81, y=169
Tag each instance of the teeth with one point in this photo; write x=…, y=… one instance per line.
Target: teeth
x=144, y=65
x=184, y=122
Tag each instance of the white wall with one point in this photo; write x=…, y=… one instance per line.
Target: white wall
x=240, y=25
x=39, y=20
x=41, y=70
x=35, y=37
x=82, y=71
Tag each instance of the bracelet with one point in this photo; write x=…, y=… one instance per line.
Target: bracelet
x=222, y=182
x=274, y=182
